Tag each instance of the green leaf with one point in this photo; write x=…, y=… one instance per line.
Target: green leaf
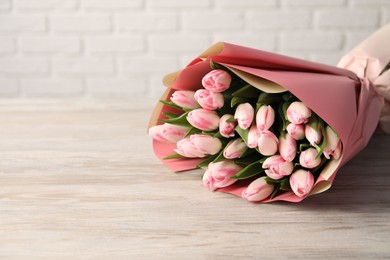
x=249, y=171
x=174, y=156
x=220, y=157
x=285, y=184
x=238, y=100
x=231, y=120
x=207, y=161
x=282, y=110
x=192, y=131
x=181, y=120
x=320, y=148
x=171, y=104
x=243, y=134
x=275, y=192
x=247, y=91
x=267, y=98
x=214, y=65
x=303, y=146
x=171, y=115
x=246, y=160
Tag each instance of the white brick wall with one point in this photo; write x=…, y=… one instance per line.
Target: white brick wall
x=122, y=48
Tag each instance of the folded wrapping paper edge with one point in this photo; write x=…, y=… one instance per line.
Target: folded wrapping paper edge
x=370, y=59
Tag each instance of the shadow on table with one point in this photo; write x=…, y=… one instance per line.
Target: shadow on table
x=362, y=185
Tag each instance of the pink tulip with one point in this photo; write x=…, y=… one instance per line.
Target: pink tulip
x=308, y=159
x=227, y=129
x=218, y=174
x=265, y=117
x=174, y=133
x=186, y=148
x=287, y=147
x=314, y=136
x=332, y=144
x=203, y=119
x=244, y=115
x=298, y=113
x=296, y=131
x=217, y=80
x=234, y=149
x=198, y=146
x=277, y=167
x=209, y=100
x=258, y=190
x=267, y=143
x=184, y=99
x=253, y=137
x=301, y=182
x=156, y=133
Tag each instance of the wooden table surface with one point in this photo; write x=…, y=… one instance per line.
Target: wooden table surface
x=79, y=180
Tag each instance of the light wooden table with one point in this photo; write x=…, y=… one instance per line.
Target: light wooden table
x=79, y=180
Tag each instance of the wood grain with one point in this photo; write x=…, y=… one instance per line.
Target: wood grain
x=82, y=182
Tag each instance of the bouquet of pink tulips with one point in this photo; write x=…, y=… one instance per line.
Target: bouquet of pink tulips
x=263, y=126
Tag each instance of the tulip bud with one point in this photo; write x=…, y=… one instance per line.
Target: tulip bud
x=226, y=129
x=184, y=99
x=198, y=146
x=287, y=147
x=314, y=136
x=206, y=143
x=265, y=117
x=186, y=148
x=217, y=80
x=296, y=131
x=308, y=158
x=267, y=143
x=174, y=133
x=277, y=167
x=234, y=149
x=156, y=133
x=332, y=144
x=244, y=115
x=253, y=137
x=209, y=100
x=203, y=119
x=301, y=182
x=298, y=113
x=218, y=174
x=258, y=190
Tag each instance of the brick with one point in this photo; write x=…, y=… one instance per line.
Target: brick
x=112, y=44
x=265, y=41
x=244, y=3
x=24, y=66
x=147, y=22
x=7, y=45
x=116, y=87
x=84, y=66
x=311, y=41
x=8, y=87
x=5, y=4
x=369, y=3
x=313, y=3
x=177, y=3
x=21, y=23
x=52, y=44
x=178, y=43
x=45, y=4
x=385, y=17
x=140, y=65
x=347, y=19
x=353, y=39
x=80, y=23
x=213, y=21
x=330, y=58
x=48, y=87
x=104, y=4
x=279, y=19
x=156, y=88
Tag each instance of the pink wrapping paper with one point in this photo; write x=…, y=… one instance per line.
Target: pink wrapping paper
x=348, y=102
